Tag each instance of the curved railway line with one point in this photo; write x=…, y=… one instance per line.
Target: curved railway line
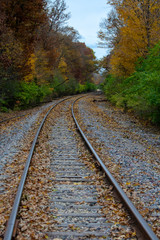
x=75, y=200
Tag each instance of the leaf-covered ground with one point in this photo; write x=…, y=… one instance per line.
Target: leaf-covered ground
x=37, y=213
x=36, y=217
x=130, y=150
x=16, y=137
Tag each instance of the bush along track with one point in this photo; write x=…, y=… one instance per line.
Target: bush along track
x=140, y=92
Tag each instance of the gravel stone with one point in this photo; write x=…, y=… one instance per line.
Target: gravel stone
x=131, y=150
x=12, y=137
x=74, y=202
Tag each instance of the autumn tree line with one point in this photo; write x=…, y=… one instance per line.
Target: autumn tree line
x=40, y=55
x=132, y=33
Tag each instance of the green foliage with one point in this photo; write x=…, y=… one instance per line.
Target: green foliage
x=89, y=86
x=80, y=88
x=141, y=91
x=70, y=86
x=8, y=89
x=86, y=87
x=23, y=94
x=63, y=86
x=27, y=94
x=3, y=103
x=31, y=93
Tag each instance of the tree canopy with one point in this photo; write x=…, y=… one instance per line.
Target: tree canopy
x=130, y=30
x=38, y=48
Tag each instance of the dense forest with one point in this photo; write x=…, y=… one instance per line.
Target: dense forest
x=40, y=55
x=132, y=33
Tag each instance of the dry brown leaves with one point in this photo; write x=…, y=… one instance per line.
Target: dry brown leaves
x=112, y=209
x=34, y=211
x=14, y=171
x=35, y=215
x=104, y=154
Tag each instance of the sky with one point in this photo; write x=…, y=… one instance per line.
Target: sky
x=86, y=16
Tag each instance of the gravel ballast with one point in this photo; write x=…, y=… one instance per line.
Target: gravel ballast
x=16, y=137
x=130, y=150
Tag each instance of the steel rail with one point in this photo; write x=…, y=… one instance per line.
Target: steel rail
x=147, y=231
x=8, y=119
x=13, y=215
x=19, y=116
x=22, y=115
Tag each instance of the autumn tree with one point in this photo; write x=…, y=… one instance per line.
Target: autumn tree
x=11, y=61
x=38, y=51
x=104, y=63
x=110, y=30
x=19, y=21
x=60, y=47
x=134, y=28
x=51, y=37
x=58, y=15
x=24, y=18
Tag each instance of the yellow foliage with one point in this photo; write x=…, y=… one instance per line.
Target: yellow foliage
x=63, y=68
x=42, y=70
x=31, y=63
x=140, y=30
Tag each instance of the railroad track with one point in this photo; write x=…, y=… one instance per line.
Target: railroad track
x=8, y=119
x=18, y=116
x=78, y=190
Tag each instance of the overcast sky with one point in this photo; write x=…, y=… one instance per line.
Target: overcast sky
x=86, y=16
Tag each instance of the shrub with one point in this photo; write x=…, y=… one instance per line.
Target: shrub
x=141, y=91
x=31, y=93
